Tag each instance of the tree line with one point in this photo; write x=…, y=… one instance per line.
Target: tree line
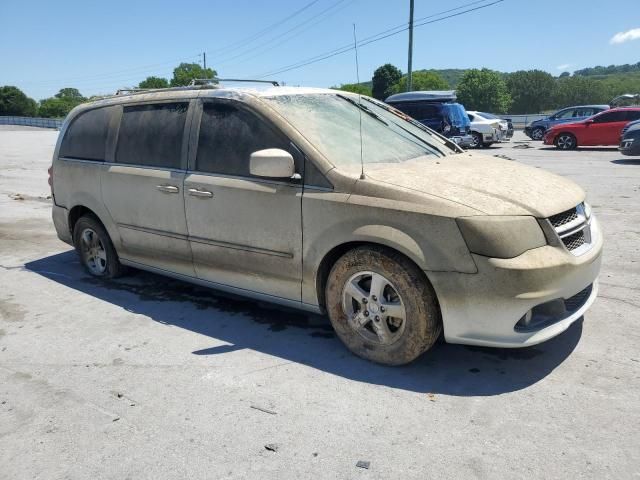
x=15, y=102
x=524, y=91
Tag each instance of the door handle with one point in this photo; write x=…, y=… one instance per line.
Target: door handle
x=168, y=188
x=200, y=193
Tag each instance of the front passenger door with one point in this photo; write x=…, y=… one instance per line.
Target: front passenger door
x=245, y=231
x=606, y=128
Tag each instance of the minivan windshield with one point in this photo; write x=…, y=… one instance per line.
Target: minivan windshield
x=331, y=122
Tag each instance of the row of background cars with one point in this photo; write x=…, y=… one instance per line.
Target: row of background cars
x=591, y=125
x=440, y=111
x=568, y=128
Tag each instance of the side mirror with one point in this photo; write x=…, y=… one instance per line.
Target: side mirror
x=588, y=122
x=272, y=162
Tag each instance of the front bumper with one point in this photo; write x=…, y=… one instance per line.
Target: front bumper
x=548, y=138
x=629, y=146
x=484, y=308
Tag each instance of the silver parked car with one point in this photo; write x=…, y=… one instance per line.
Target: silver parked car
x=329, y=202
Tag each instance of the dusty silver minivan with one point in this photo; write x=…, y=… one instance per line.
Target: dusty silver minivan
x=325, y=201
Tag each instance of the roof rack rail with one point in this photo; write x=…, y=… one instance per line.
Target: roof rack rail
x=195, y=83
x=206, y=81
x=136, y=90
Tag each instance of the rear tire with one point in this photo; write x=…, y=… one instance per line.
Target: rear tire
x=97, y=253
x=477, y=140
x=382, y=306
x=565, y=141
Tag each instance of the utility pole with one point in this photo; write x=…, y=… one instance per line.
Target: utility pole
x=204, y=58
x=409, y=67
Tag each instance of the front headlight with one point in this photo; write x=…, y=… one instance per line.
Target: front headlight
x=501, y=236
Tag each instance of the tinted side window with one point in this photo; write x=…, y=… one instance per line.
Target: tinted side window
x=610, y=117
x=427, y=110
x=151, y=135
x=632, y=115
x=86, y=137
x=228, y=137
x=565, y=113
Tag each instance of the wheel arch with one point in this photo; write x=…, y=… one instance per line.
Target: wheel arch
x=332, y=256
x=78, y=211
x=565, y=132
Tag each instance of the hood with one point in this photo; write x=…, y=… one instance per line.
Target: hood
x=487, y=184
x=568, y=124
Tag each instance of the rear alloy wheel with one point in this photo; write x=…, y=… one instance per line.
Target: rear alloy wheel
x=477, y=140
x=537, y=133
x=95, y=248
x=382, y=306
x=566, y=141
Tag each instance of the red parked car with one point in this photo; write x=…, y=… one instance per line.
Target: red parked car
x=601, y=129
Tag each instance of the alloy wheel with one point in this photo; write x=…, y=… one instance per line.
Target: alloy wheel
x=374, y=307
x=93, y=252
x=565, y=142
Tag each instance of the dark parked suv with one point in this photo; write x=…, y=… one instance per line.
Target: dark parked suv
x=630, y=139
x=439, y=111
x=536, y=129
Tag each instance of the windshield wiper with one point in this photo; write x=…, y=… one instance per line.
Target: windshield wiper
x=364, y=109
x=448, y=142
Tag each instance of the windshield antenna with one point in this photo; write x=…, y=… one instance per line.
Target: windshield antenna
x=355, y=47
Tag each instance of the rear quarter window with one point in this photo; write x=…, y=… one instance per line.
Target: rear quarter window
x=152, y=135
x=86, y=136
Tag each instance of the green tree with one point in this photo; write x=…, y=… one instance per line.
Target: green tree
x=13, y=101
x=185, y=72
x=154, y=82
x=422, y=80
x=580, y=90
x=484, y=90
x=565, y=74
x=354, y=88
x=532, y=91
x=384, y=79
x=71, y=94
x=61, y=103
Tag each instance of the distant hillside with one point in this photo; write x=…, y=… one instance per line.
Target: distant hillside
x=611, y=69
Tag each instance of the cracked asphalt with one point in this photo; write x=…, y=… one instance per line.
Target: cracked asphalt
x=147, y=378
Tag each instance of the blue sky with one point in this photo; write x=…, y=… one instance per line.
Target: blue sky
x=100, y=46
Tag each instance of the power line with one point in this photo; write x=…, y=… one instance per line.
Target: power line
x=248, y=40
x=260, y=50
x=379, y=36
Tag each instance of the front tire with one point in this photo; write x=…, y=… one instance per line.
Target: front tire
x=566, y=141
x=97, y=253
x=537, y=133
x=382, y=306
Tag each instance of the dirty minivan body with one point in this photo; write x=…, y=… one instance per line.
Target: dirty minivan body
x=275, y=194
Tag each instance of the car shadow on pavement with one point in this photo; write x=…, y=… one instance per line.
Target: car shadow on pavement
x=307, y=338
x=627, y=161
x=581, y=149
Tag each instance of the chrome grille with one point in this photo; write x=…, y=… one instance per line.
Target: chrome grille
x=573, y=228
x=563, y=218
x=574, y=241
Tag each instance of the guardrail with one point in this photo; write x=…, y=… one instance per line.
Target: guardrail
x=520, y=121
x=31, y=121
